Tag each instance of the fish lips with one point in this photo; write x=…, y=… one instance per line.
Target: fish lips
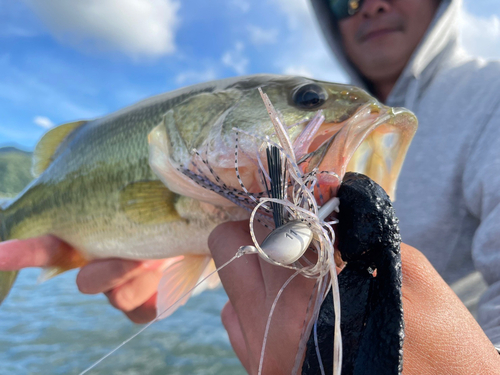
x=374, y=142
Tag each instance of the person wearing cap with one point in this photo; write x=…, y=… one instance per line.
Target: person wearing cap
x=406, y=53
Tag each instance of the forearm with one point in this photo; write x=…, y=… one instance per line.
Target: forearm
x=442, y=337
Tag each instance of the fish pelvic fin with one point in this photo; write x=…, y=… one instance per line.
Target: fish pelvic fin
x=7, y=278
x=179, y=280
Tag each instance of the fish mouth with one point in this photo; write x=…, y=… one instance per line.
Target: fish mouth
x=373, y=141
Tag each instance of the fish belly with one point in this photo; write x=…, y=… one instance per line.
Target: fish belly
x=146, y=242
x=134, y=237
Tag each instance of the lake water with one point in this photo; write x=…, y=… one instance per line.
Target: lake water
x=51, y=328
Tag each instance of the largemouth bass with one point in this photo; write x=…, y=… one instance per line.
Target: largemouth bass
x=96, y=189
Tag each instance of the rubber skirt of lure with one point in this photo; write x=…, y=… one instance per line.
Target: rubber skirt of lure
x=372, y=322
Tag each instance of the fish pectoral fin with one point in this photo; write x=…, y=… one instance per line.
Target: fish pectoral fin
x=149, y=202
x=179, y=279
x=68, y=260
x=46, y=148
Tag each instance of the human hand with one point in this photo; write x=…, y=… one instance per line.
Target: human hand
x=441, y=335
x=129, y=285
x=252, y=285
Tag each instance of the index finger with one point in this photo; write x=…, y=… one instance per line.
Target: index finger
x=242, y=278
x=33, y=252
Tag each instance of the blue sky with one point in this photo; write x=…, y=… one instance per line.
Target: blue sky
x=62, y=61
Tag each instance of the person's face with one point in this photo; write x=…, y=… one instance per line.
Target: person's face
x=381, y=37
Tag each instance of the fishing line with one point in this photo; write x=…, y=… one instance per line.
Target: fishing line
x=241, y=251
x=268, y=323
x=321, y=289
x=316, y=345
x=308, y=318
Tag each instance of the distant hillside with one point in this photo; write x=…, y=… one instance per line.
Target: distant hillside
x=15, y=171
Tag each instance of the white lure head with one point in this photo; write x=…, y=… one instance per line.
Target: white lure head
x=288, y=243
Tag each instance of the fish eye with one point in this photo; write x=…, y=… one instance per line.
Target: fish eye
x=310, y=96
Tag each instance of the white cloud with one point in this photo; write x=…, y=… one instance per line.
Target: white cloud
x=43, y=122
x=235, y=59
x=260, y=36
x=315, y=62
x=307, y=53
x=192, y=77
x=136, y=27
x=298, y=71
x=480, y=35
x=242, y=5
x=297, y=11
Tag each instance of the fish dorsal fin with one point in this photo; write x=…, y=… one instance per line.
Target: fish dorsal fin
x=47, y=146
x=180, y=278
x=149, y=202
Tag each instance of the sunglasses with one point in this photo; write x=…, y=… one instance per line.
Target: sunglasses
x=345, y=8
